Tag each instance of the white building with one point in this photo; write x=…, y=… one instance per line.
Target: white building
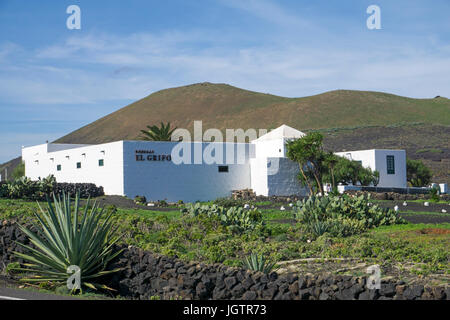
x=152, y=169
x=391, y=164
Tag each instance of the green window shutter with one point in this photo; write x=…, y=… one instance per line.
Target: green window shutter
x=390, y=164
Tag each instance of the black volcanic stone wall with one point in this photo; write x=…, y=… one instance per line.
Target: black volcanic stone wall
x=396, y=196
x=9, y=234
x=145, y=275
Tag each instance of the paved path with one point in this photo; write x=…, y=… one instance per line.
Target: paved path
x=9, y=291
x=22, y=294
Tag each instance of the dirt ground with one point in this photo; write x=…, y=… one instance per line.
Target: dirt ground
x=434, y=211
x=355, y=267
x=125, y=203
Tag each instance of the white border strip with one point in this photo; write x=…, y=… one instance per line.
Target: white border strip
x=10, y=298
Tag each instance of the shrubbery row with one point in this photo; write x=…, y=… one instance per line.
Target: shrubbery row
x=25, y=188
x=236, y=218
x=342, y=216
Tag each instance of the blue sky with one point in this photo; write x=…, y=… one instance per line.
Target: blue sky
x=54, y=80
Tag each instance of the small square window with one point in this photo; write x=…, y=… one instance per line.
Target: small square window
x=223, y=168
x=58, y=167
x=390, y=164
x=101, y=163
x=78, y=165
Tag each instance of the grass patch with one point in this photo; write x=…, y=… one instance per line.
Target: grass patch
x=419, y=213
x=431, y=150
x=207, y=240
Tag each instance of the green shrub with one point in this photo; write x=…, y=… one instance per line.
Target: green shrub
x=342, y=215
x=236, y=218
x=140, y=200
x=19, y=171
x=344, y=227
x=257, y=262
x=3, y=190
x=317, y=227
x=25, y=188
x=12, y=267
x=417, y=174
x=162, y=203
x=67, y=238
x=22, y=188
x=434, y=195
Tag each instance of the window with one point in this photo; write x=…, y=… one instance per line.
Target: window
x=78, y=165
x=101, y=163
x=223, y=168
x=390, y=164
x=58, y=167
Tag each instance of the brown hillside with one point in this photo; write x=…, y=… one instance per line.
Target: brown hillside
x=223, y=106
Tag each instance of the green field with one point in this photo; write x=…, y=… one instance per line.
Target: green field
x=424, y=247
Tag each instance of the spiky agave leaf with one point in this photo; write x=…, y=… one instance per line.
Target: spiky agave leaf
x=63, y=240
x=257, y=262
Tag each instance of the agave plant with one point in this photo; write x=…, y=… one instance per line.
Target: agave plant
x=68, y=238
x=318, y=227
x=257, y=262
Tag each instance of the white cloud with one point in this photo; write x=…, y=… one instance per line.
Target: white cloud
x=106, y=68
x=268, y=11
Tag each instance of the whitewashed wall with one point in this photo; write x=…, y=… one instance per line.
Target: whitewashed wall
x=376, y=160
x=397, y=180
x=260, y=166
x=259, y=176
x=159, y=180
x=271, y=172
x=39, y=164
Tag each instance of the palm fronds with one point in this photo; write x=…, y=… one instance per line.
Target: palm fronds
x=155, y=133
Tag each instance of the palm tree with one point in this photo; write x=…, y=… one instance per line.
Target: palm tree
x=155, y=133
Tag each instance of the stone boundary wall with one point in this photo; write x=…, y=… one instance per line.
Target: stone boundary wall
x=146, y=275
x=396, y=196
x=380, y=195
